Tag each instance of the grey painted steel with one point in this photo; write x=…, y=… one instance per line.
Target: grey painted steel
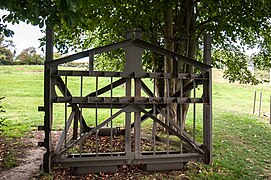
x=133, y=64
x=96, y=169
x=128, y=142
x=162, y=166
x=207, y=108
x=137, y=119
x=64, y=132
x=156, y=75
x=133, y=103
x=47, y=101
x=119, y=158
x=124, y=44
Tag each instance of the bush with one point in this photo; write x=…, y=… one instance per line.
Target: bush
x=6, y=57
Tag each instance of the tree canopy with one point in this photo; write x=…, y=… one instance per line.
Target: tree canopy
x=177, y=25
x=29, y=56
x=6, y=56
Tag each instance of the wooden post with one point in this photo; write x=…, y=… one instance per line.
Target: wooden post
x=207, y=107
x=254, y=104
x=260, y=105
x=47, y=101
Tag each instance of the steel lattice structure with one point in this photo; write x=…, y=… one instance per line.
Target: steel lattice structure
x=138, y=104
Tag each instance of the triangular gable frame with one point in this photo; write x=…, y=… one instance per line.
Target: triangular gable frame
x=131, y=42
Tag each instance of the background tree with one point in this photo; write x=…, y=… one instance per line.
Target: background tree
x=29, y=56
x=177, y=25
x=6, y=56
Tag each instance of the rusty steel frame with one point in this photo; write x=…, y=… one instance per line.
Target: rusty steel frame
x=142, y=108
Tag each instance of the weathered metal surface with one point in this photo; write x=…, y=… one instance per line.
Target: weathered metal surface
x=47, y=101
x=96, y=169
x=123, y=146
x=207, y=108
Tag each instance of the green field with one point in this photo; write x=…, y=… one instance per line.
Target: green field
x=242, y=141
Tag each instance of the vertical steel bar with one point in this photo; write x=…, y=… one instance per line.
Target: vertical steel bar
x=181, y=116
x=75, y=123
x=194, y=112
x=260, y=105
x=96, y=117
x=168, y=114
x=66, y=109
x=137, y=119
x=254, y=103
x=128, y=87
x=91, y=61
x=154, y=124
x=96, y=142
x=111, y=113
x=81, y=113
x=154, y=129
x=96, y=109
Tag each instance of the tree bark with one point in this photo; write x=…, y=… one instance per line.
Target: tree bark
x=185, y=44
x=180, y=37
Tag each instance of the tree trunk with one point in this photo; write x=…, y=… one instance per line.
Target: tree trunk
x=191, y=52
x=184, y=45
x=168, y=63
x=178, y=37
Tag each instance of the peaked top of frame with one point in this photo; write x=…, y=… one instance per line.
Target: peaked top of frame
x=130, y=42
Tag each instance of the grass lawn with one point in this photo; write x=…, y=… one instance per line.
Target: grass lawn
x=241, y=140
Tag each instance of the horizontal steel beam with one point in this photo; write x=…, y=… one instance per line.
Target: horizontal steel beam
x=83, y=160
x=128, y=100
x=156, y=75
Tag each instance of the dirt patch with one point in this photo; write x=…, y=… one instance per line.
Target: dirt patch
x=30, y=165
x=9, y=149
x=28, y=156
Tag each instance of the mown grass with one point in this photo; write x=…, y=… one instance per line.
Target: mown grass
x=22, y=87
x=241, y=140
